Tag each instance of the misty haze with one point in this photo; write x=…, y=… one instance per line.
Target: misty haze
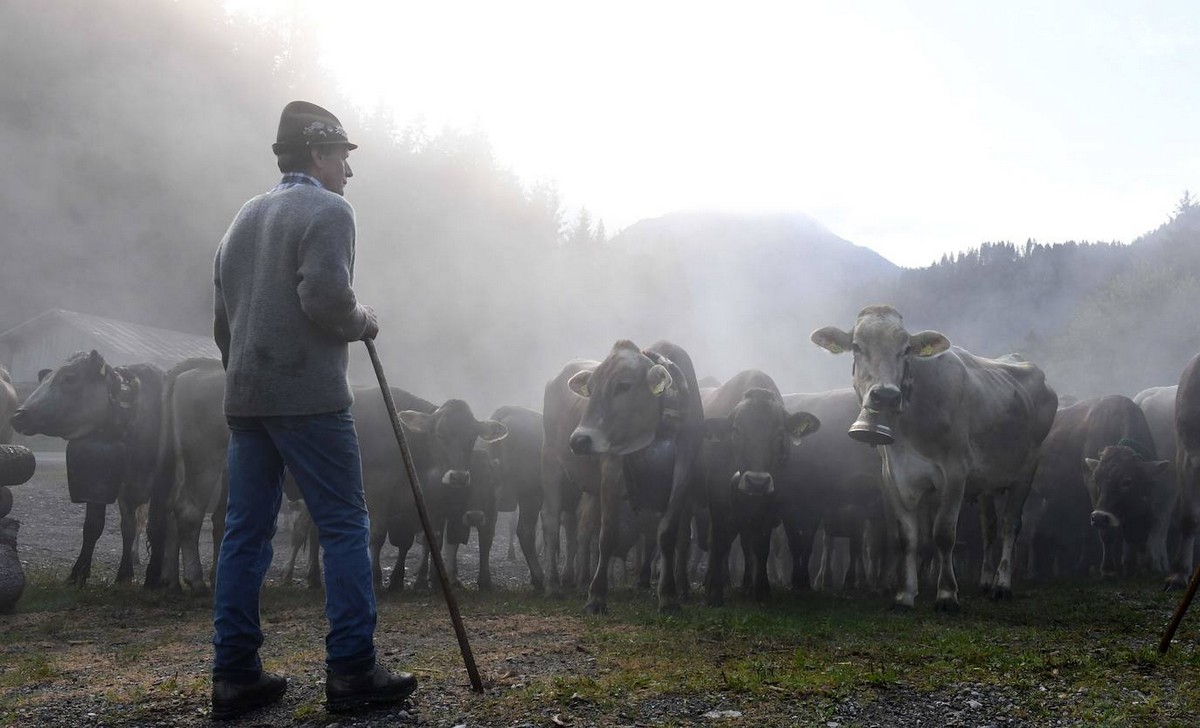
x=134, y=130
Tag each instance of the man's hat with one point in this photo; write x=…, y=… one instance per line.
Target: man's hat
x=304, y=125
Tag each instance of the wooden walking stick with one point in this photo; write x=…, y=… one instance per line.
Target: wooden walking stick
x=1181, y=610
x=435, y=551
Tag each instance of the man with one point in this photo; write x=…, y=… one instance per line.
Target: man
x=284, y=316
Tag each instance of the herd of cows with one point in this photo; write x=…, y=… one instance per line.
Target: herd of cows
x=633, y=451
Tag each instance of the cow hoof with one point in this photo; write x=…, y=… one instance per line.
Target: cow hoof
x=900, y=608
x=596, y=608
x=947, y=605
x=1002, y=594
x=670, y=608
x=485, y=586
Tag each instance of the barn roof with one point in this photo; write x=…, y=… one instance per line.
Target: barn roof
x=138, y=342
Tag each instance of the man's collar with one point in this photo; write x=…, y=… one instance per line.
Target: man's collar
x=292, y=179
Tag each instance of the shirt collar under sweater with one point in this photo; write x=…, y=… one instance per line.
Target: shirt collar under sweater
x=292, y=179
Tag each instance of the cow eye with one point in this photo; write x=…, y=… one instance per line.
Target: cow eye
x=622, y=387
x=855, y=348
x=907, y=351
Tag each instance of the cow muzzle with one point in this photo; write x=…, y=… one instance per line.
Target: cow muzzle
x=754, y=483
x=22, y=422
x=871, y=428
x=586, y=441
x=457, y=478
x=1105, y=519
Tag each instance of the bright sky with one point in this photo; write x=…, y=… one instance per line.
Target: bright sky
x=913, y=128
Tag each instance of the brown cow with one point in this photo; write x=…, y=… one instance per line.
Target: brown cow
x=643, y=420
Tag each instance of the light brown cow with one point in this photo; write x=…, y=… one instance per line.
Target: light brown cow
x=950, y=424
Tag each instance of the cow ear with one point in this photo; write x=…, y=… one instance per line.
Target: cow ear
x=717, y=428
x=1157, y=467
x=492, y=431
x=831, y=339
x=43, y=374
x=579, y=383
x=928, y=343
x=416, y=421
x=801, y=425
x=659, y=379
x=1092, y=464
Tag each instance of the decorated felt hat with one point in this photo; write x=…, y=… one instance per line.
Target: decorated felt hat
x=303, y=124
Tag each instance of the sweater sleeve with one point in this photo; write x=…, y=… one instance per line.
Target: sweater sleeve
x=325, y=271
x=220, y=316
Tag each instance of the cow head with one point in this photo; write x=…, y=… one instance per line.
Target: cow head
x=450, y=432
x=1123, y=481
x=70, y=402
x=883, y=352
x=759, y=433
x=624, y=404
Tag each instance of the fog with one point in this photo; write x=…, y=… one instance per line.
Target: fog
x=135, y=129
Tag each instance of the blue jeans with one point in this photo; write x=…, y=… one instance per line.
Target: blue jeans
x=321, y=453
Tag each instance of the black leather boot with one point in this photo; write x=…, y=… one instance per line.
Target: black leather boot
x=377, y=686
x=231, y=699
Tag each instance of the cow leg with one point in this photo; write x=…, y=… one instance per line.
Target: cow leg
x=313, y=578
x=683, y=546
x=1187, y=468
x=800, y=547
x=945, y=536
x=190, y=520
x=527, y=537
x=169, y=577
x=824, y=580
x=760, y=547
x=668, y=533
x=552, y=485
x=487, y=536
x=611, y=492
x=573, y=571
x=450, y=560
x=987, y=527
x=129, y=531
x=1109, y=541
x=1010, y=528
x=856, y=571
x=93, y=526
x=512, y=539
x=720, y=538
x=379, y=533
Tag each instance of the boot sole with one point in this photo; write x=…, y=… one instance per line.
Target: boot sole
x=346, y=704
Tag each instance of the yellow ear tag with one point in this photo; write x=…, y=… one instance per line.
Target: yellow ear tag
x=104, y=370
x=584, y=391
x=926, y=350
x=835, y=349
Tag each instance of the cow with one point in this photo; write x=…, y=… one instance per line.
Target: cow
x=517, y=462
x=643, y=421
x=1158, y=404
x=442, y=443
x=1187, y=466
x=192, y=449
x=951, y=424
x=8, y=405
x=748, y=436
x=564, y=475
x=1131, y=498
x=111, y=419
x=829, y=471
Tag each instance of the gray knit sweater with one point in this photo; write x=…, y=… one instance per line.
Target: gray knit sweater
x=284, y=308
